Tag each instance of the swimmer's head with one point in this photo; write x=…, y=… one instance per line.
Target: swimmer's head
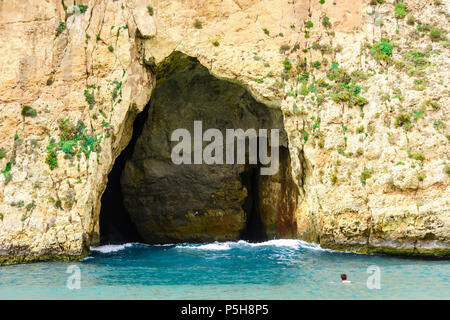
x=343, y=277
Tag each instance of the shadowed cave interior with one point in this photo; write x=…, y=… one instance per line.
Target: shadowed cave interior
x=138, y=200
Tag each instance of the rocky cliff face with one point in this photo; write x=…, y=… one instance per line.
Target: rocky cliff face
x=362, y=86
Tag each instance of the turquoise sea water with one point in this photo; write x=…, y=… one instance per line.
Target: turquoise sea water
x=277, y=269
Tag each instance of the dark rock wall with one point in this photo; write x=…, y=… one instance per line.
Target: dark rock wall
x=197, y=202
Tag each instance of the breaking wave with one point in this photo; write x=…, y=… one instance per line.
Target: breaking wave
x=241, y=244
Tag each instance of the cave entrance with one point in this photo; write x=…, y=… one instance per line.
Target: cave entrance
x=116, y=226
x=150, y=199
x=254, y=229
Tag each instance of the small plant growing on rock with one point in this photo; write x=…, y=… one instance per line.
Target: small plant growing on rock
x=365, y=174
x=420, y=176
x=382, y=50
x=403, y=120
x=266, y=31
x=111, y=48
x=359, y=152
x=6, y=173
x=89, y=98
x=287, y=65
x=411, y=20
x=52, y=157
x=309, y=24
x=419, y=156
x=28, y=111
x=360, y=101
x=436, y=34
x=434, y=104
x=326, y=22
x=400, y=10
x=30, y=207
x=198, y=24
x=2, y=153
x=61, y=27
x=284, y=48
x=150, y=10
x=333, y=178
x=83, y=8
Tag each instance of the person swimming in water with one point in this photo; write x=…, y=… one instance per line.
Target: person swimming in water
x=344, y=278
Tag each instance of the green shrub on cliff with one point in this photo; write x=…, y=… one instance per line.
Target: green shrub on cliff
x=89, y=98
x=326, y=22
x=316, y=64
x=74, y=141
x=400, y=10
x=30, y=207
x=403, y=120
x=83, y=8
x=365, y=174
x=52, y=157
x=382, y=50
x=436, y=34
x=287, y=65
x=333, y=178
x=198, y=24
x=419, y=156
x=2, y=153
x=150, y=10
x=28, y=111
x=61, y=27
x=6, y=173
x=416, y=58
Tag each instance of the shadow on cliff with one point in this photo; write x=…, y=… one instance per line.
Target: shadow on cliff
x=115, y=223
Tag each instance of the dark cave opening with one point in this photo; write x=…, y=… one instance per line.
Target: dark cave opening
x=148, y=199
x=116, y=225
x=254, y=228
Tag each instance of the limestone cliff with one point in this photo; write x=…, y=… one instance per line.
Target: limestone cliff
x=362, y=86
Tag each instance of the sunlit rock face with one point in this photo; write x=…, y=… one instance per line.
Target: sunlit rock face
x=196, y=202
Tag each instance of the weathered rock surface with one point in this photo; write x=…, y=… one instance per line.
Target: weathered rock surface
x=372, y=174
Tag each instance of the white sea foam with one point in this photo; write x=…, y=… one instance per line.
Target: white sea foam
x=113, y=247
x=220, y=246
x=87, y=258
x=213, y=246
x=228, y=245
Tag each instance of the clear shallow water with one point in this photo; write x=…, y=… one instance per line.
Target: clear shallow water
x=277, y=269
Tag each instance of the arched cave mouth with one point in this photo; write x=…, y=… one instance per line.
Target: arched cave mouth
x=116, y=226
x=149, y=199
